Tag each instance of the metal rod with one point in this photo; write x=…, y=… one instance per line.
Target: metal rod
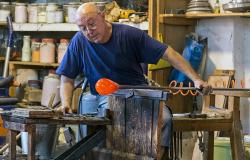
x=9, y=46
x=179, y=88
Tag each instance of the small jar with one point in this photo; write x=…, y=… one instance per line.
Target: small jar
x=42, y=12
x=51, y=12
x=59, y=16
x=71, y=12
x=21, y=13
x=5, y=6
x=4, y=11
x=26, y=52
x=62, y=48
x=35, y=50
x=47, y=51
x=33, y=13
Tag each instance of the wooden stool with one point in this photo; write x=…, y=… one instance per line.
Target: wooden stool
x=231, y=124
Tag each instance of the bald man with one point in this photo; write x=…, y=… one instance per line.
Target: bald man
x=102, y=49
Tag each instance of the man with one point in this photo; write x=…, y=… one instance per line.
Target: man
x=102, y=49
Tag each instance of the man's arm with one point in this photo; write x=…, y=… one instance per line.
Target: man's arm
x=182, y=65
x=66, y=93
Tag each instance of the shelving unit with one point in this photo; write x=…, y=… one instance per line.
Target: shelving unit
x=56, y=27
x=204, y=15
x=3, y=23
x=63, y=26
x=14, y=65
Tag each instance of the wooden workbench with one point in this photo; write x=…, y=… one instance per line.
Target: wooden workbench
x=23, y=124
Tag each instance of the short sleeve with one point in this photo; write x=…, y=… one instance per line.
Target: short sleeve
x=72, y=62
x=149, y=50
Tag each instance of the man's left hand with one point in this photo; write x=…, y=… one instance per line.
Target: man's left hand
x=204, y=87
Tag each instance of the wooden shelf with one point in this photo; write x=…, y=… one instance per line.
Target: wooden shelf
x=3, y=23
x=204, y=15
x=34, y=64
x=63, y=26
x=16, y=59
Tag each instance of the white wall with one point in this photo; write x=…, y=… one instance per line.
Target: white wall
x=229, y=48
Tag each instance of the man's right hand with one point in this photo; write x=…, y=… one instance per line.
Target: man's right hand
x=64, y=109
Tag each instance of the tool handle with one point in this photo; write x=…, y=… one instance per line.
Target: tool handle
x=10, y=29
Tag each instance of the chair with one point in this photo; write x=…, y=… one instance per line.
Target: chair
x=230, y=123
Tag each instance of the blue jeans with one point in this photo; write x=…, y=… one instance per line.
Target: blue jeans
x=167, y=125
x=89, y=103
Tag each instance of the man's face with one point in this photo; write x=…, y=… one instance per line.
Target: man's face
x=92, y=26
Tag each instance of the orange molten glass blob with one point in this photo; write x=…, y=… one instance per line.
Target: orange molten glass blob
x=105, y=86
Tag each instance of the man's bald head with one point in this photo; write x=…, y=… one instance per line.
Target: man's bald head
x=87, y=8
x=91, y=21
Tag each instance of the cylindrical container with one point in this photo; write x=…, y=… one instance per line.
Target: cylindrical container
x=47, y=51
x=71, y=12
x=65, y=12
x=51, y=12
x=26, y=52
x=4, y=11
x=20, y=13
x=4, y=14
x=51, y=84
x=33, y=13
x=59, y=16
x=62, y=48
x=42, y=12
x=24, y=75
x=46, y=138
x=222, y=148
x=35, y=50
x=5, y=6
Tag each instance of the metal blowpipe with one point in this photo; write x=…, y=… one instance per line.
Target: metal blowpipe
x=106, y=86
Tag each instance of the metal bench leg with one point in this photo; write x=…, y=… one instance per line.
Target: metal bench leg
x=83, y=146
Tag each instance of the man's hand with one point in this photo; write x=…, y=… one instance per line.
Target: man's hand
x=203, y=86
x=64, y=109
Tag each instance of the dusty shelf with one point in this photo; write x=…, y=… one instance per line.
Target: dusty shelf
x=204, y=15
x=34, y=64
x=63, y=26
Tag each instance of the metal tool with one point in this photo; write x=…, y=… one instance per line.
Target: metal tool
x=106, y=86
x=83, y=146
x=9, y=46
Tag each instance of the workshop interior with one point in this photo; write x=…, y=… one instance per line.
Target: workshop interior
x=124, y=80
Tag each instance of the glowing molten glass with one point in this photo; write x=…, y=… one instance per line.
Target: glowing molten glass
x=105, y=86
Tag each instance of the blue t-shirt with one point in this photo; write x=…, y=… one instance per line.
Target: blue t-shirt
x=119, y=59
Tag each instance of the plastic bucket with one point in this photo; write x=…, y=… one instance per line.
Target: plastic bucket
x=222, y=149
x=46, y=138
x=247, y=146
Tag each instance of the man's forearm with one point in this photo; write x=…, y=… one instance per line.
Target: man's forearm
x=66, y=90
x=180, y=63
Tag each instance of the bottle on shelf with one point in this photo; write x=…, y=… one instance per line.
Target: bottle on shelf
x=35, y=50
x=26, y=51
x=62, y=49
x=216, y=7
x=47, y=51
